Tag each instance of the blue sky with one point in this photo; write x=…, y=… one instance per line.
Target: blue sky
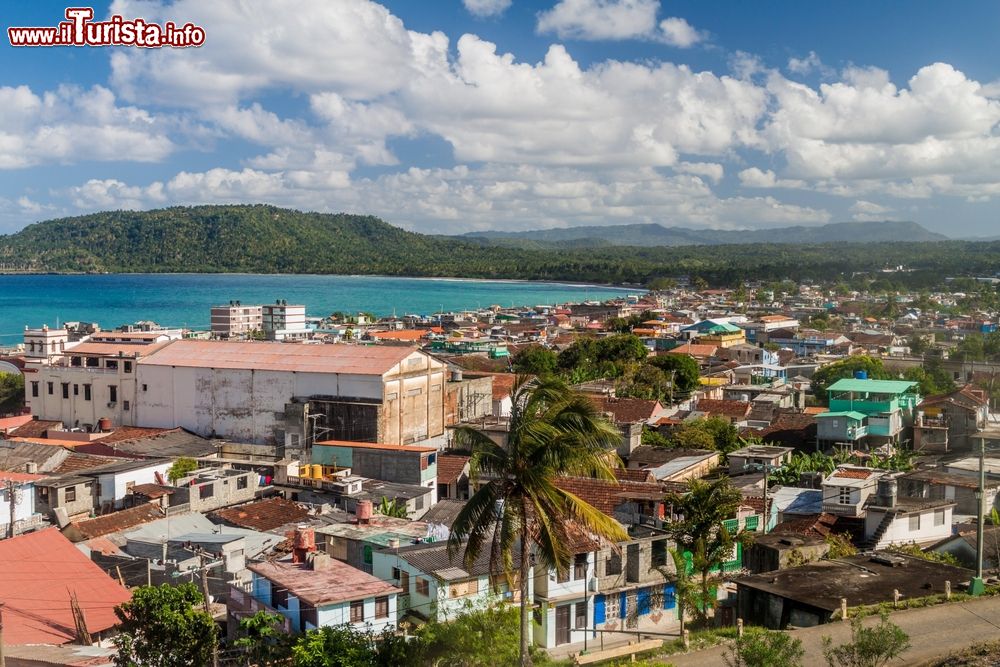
x=463, y=115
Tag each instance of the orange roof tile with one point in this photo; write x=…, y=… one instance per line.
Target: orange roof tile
x=852, y=473
x=450, y=467
x=404, y=334
x=38, y=572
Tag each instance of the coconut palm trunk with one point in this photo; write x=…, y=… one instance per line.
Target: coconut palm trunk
x=524, y=584
x=518, y=507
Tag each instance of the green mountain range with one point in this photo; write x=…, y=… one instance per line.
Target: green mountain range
x=658, y=235
x=267, y=239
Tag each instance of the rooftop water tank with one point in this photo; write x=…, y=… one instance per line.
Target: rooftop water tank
x=860, y=375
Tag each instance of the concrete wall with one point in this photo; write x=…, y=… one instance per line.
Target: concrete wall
x=24, y=503
x=226, y=490
x=249, y=405
x=76, y=410
x=899, y=531
x=114, y=485
x=83, y=504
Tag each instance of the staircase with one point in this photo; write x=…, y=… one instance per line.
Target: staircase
x=872, y=542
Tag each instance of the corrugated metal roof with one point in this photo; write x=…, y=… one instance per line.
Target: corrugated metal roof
x=38, y=572
x=850, y=414
x=113, y=349
x=348, y=359
x=872, y=386
x=338, y=582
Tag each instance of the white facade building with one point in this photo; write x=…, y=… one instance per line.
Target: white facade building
x=279, y=393
x=282, y=322
x=87, y=383
x=236, y=320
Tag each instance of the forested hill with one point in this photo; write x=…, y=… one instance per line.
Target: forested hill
x=266, y=239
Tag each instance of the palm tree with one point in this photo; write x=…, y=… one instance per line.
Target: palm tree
x=700, y=531
x=553, y=431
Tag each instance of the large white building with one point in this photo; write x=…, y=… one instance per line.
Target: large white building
x=280, y=393
x=86, y=383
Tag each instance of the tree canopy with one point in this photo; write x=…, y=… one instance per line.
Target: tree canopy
x=164, y=626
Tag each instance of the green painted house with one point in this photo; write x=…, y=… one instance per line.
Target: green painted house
x=869, y=412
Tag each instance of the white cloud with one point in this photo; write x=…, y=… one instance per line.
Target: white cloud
x=754, y=177
x=811, y=63
x=486, y=8
x=678, y=32
x=98, y=194
x=492, y=108
x=353, y=46
x=710, y=170
x=460, y=199
x=70, y=125
x=600, y=19
x=938, y=133
x=616, y=20
x=863, y=210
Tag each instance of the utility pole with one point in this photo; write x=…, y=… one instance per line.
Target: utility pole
x=976, y=586
x=12, y=498
x=203, y=571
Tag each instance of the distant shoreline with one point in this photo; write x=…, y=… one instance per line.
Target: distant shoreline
x=579, y=283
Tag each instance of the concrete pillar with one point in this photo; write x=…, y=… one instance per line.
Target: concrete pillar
x=843, y=609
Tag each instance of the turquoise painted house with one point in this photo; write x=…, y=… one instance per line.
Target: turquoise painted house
x=867, y=412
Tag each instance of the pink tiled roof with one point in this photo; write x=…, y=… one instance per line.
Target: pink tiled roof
x=351, y=359
x=38, y=571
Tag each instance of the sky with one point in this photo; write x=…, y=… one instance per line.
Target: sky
x=452, y=116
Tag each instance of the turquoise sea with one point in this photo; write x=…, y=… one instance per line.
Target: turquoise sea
x=177, y=300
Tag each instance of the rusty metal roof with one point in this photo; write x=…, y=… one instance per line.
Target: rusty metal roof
x=349, y=359
x=97, y=349
x=337, y=582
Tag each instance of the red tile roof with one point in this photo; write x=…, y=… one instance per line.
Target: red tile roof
x=627, y=410
x=450, y=467
x=38, y=571
x=695, y=350
x=726, y=408
x=402, y=334
x=34, y=429
x=19, y=477
x=13, y=422
x=852, y=473
x=606, y=495
x=113, y=522
x=263, y=515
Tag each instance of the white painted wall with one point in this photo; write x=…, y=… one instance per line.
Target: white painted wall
x=24, y=499
x=899, y=531
x=238, y=404
x=113, y=486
